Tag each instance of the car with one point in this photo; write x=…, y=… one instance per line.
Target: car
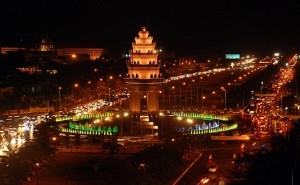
x=212, y=169
x=204, y=180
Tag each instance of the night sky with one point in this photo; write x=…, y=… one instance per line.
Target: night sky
x=184, y=27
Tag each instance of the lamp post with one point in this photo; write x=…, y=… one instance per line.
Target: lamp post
x=174, y=94
x=118, y=116
x=99, y=85
x=37, y=165
x=169, y=96
x=87, y=91
x=54, y=140
x=141, y=128
x=73, y=94
x=109, y=96
x=162, y=123
x=191, y=96
x=180, y=92
x=203, y=98
x=186, y=96
x=121, y=117
x=281, y=103
x=110, y=78
x=125, y=115
x=225, y=96
x=225, y=99
x=59, y=99
x=192, y=85
x=131, y=125
x=178, y=123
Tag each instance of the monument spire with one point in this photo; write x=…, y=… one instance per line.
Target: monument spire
x=143, y=79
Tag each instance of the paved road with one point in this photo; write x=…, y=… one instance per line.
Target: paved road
x=218, y=153
x=88, y=164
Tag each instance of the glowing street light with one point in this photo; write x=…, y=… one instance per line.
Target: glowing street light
x=162, y=123
x=131, y=125
x=173, y=87
x=59, y=99
x=37, y=165
x=74, y=86
x=109, y=96
x=120, y=116
x=202, y=99
x=110, y=78
x=225, y=98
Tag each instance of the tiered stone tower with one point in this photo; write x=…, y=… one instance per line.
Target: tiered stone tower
x=144, y=79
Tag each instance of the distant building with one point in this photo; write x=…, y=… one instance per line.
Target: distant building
x=6, y=50
x=93, y=53
x=46, y=44
x=46, y=51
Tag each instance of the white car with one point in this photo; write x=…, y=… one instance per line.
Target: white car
x=204, y=180
x=212, y=169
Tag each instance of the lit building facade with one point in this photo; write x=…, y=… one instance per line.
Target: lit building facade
x=144, y=79
x=46, y=44
x=46, y=51
x=6, y=50
x=94, y=53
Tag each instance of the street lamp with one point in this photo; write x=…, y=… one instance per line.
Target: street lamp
x=75, y=85
x=169, y=96
x=59, y=99
x=131, y=125
x=117, y=116
x=37, y=165
x=225, y=97
x=110, y=78
x=125, y=115
x=180, y=92
x=87, y=90
x=174, y=94
x=162, y=123
x=191, y=96
x=203, y=98
x=109, y=96
x=186, y=96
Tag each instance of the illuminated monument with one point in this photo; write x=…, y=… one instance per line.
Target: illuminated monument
x=143, y=79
